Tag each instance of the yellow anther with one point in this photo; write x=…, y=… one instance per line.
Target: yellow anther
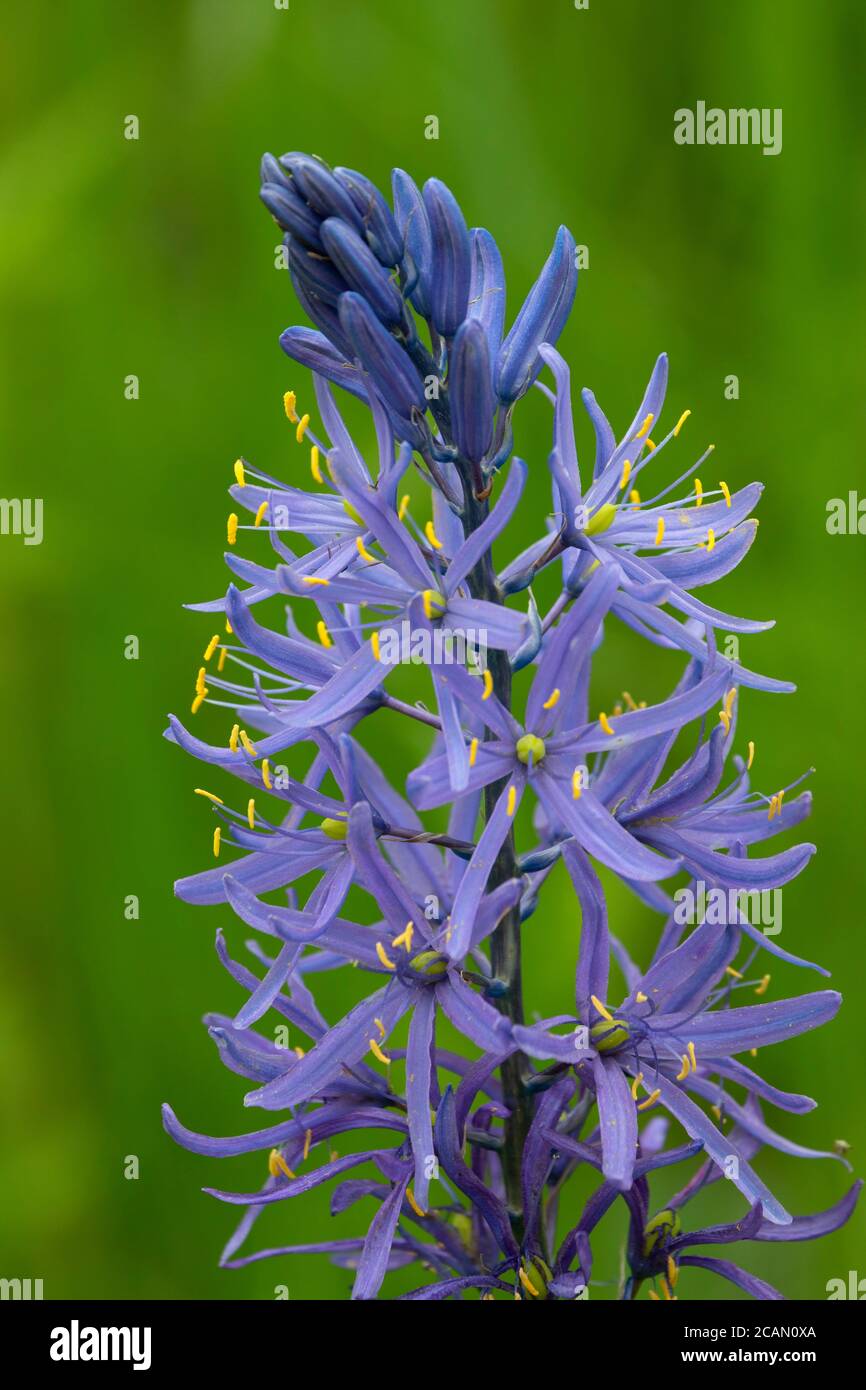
x=711, y=540
x=403, y=507
x=308, y=1139
x=405, y=937
x=681, y=421
x=233, y=737
x=645, y=427
x=512, y=800
x=654, y=1296
x=640, y=997
x=650, y=1100
x=629, y=699
x=699, y=492
x=315, y=467
x=374, y=643
x=730, y=698
x=299, y=1052
x=324, y=634
x=716, y=1111
x=725, y=720
x=599, y=1008
x=660, y=531
x=473, y=752
x=762, y=987
x=290, y=400
x=605, y=723
x=228, y=627
x=665, y=1289
x=410, y=1198
x=216, y=843
x=430, y=533
x=378, y=1053
x=673, y=1271
x=693, y=1056
x=248, y=746
x=199, y=701
x=239, y=472
x=617, y=709
x=634, y=1085
x=217, y=800
x=261, y=514
x=753, y=1052
x=266, y=774
x=222, y=661
x=634, y=496
x=232, y=528
x=364, y=552
x=774, y=807
x=726, y=493
x=211, y=647
x=751, y=757
x=735, y=974
x=302, y=428
x=576, y=783
x=277, y=1164
x=488, y=686
x=552, y=700
x=527, y=1283
x=380, y=952
x=382, y=1029
x=251, y=813
x=626, y=473
x=200, y=680
x=684, y=1069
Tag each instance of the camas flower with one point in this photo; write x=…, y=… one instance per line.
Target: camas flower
x=482, y=1140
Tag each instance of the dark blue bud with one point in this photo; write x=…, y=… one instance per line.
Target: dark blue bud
x=471, y=393
x=380, y=229
x=324, y=316
x=272, y=171
x=361, y=271
x=414, y=228
x=313, y=350
x=531, y=646
x=290, y=212
x=540, y=320
x=452, y=259
x=317, y=274
x=487, y=290
x=322, y=189
x=393, y=375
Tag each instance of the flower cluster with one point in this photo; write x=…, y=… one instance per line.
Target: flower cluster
x=410, y=318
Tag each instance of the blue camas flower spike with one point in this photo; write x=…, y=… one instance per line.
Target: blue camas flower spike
x=386, y=559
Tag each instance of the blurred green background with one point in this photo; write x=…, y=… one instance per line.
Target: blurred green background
x=154, y=257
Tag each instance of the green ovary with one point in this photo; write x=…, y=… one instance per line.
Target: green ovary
x=530, y=747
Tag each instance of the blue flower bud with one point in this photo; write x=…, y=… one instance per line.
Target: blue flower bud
x=312, y=349
x=394, y=376
x=452, y=259
x=322, y=189
x=487, y=290
x=361, y=271
x=472, y=401
x=540, y=320
x=272, y=171
x=323, y=315
x=414, y=228
x=380, y=228
x=317, y=274
x=290, y=212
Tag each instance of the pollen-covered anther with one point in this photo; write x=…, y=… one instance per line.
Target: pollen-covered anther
x=530, y=749
x=410, y=1198
x=403, y=507
x=430, y=533
x=473, y=752
x=232, y=528
x=660, y=531
x=751, y=758
x=626, y=473
x=290, y=401
x=324, y=634
x=233, y=737
x=650, y=1100
x=261, y=514
x=762, y=987
x=199, y=701
x=303, y=423
x=693, y=1059
x=605, y=723
x=266, y=774
x=217, y=837
x=488, y=685
x=251, y=813
x=248, y=745
x=384, y=957
x=277, y=1165
x=726, y=492
x=364, y=552
x=552, y=700
x=217, y=800
x=699, y=492
x=645, y=427
x=239, y=473
x=315, y=467
x=211, y=647
x=405, y=937
x=512, y=801
x=681, y=421
x=576, y=783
